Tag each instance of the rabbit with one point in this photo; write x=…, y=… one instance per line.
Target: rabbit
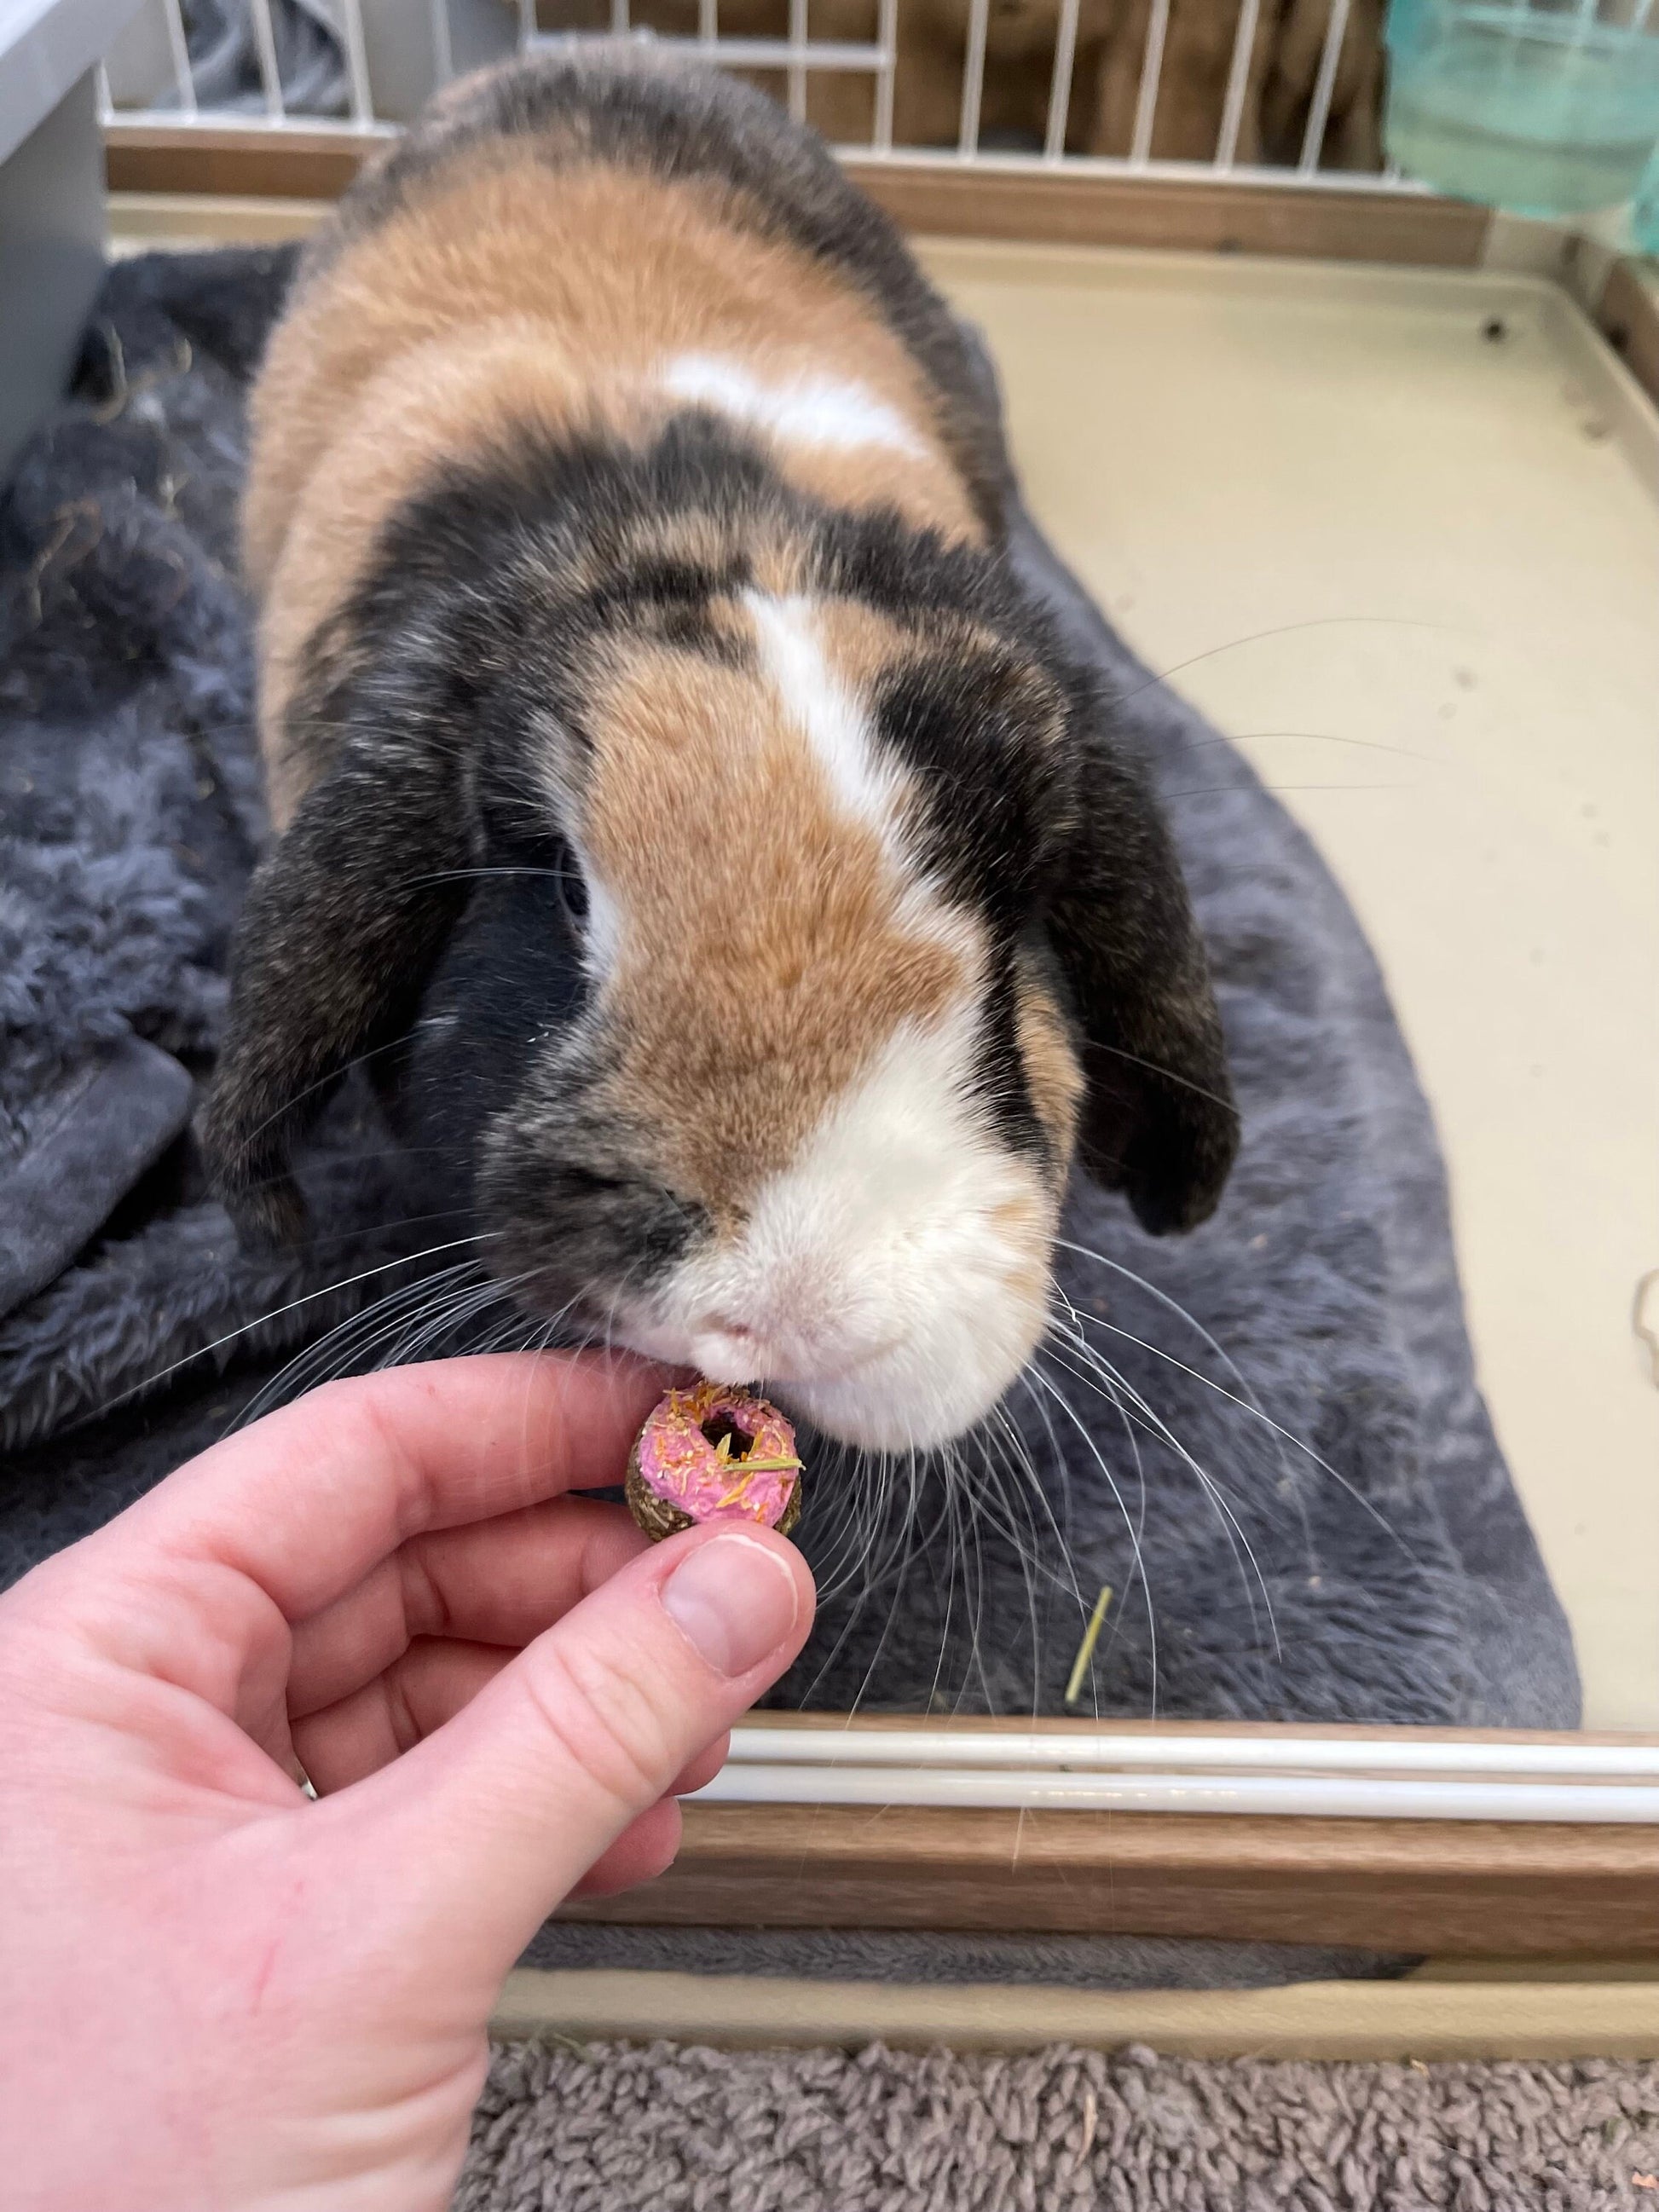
x=672, y=782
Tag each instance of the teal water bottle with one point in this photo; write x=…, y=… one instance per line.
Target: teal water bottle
x=1540, y=110
x=1645, y=215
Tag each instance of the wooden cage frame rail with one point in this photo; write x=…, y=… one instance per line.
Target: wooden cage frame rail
x=945, y=199
x=1471, y=1889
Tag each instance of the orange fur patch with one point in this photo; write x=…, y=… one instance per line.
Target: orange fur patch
x=1025, y=1228
x=763, y=960
x=1052, y=1073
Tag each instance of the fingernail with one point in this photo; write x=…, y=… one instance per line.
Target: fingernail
x=733, y=1601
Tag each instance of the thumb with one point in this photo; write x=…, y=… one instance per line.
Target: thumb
x=496, y=1817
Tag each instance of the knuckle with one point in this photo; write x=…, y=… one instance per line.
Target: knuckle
x=401, y=1716
x=358, y=1415
x=605, y=1721
x=426, y=1608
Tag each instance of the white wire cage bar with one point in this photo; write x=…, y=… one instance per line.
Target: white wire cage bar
x=1239, y=70
x=1152, y=72
x=836, y=57
x=1330, y=1777
x=271, y=74
x=1364, y=1797
x=1561, y=1760
x=362, y=103
x=1060, y=82
x=1324, y=85
x=184, y=78
x=881, y=85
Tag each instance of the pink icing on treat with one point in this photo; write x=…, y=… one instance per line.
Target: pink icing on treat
x=714, y=1454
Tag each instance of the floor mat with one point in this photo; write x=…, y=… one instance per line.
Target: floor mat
x=618, y=2127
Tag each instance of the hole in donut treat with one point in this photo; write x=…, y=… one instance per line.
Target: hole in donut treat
x=721, y=1429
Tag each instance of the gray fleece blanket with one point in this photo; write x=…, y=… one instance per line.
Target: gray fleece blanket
x=1266, y=1438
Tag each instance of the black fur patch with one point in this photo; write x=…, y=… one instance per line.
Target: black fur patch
x=494, y=1099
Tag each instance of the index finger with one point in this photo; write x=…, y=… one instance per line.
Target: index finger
x=308, y=1500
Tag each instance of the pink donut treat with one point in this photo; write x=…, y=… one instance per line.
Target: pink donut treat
x=714, y=1454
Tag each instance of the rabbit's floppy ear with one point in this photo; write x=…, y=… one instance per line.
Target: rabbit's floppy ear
x=1158, y=1119
x=337, y=938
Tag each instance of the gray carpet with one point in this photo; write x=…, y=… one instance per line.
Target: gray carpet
x=627, y=2128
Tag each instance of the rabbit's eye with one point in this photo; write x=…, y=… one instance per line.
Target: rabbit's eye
x=531, y=850
x=573, y=889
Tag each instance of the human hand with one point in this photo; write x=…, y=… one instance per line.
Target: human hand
x=221, y=1995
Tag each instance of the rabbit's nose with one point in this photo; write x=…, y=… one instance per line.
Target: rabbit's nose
x=726, y=1324
x=727, y=1349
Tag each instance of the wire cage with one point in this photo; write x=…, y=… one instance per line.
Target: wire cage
x=1285, y=90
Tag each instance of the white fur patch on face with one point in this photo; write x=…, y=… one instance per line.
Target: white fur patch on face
x=602, y=934
x=828, y=714
x=804, y=409
x=892, y=1282
x=601, y=937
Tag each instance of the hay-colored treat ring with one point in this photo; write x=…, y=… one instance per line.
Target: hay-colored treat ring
x=714, y=1454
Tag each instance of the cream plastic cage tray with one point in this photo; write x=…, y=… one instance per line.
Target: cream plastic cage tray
x=1397, y=534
